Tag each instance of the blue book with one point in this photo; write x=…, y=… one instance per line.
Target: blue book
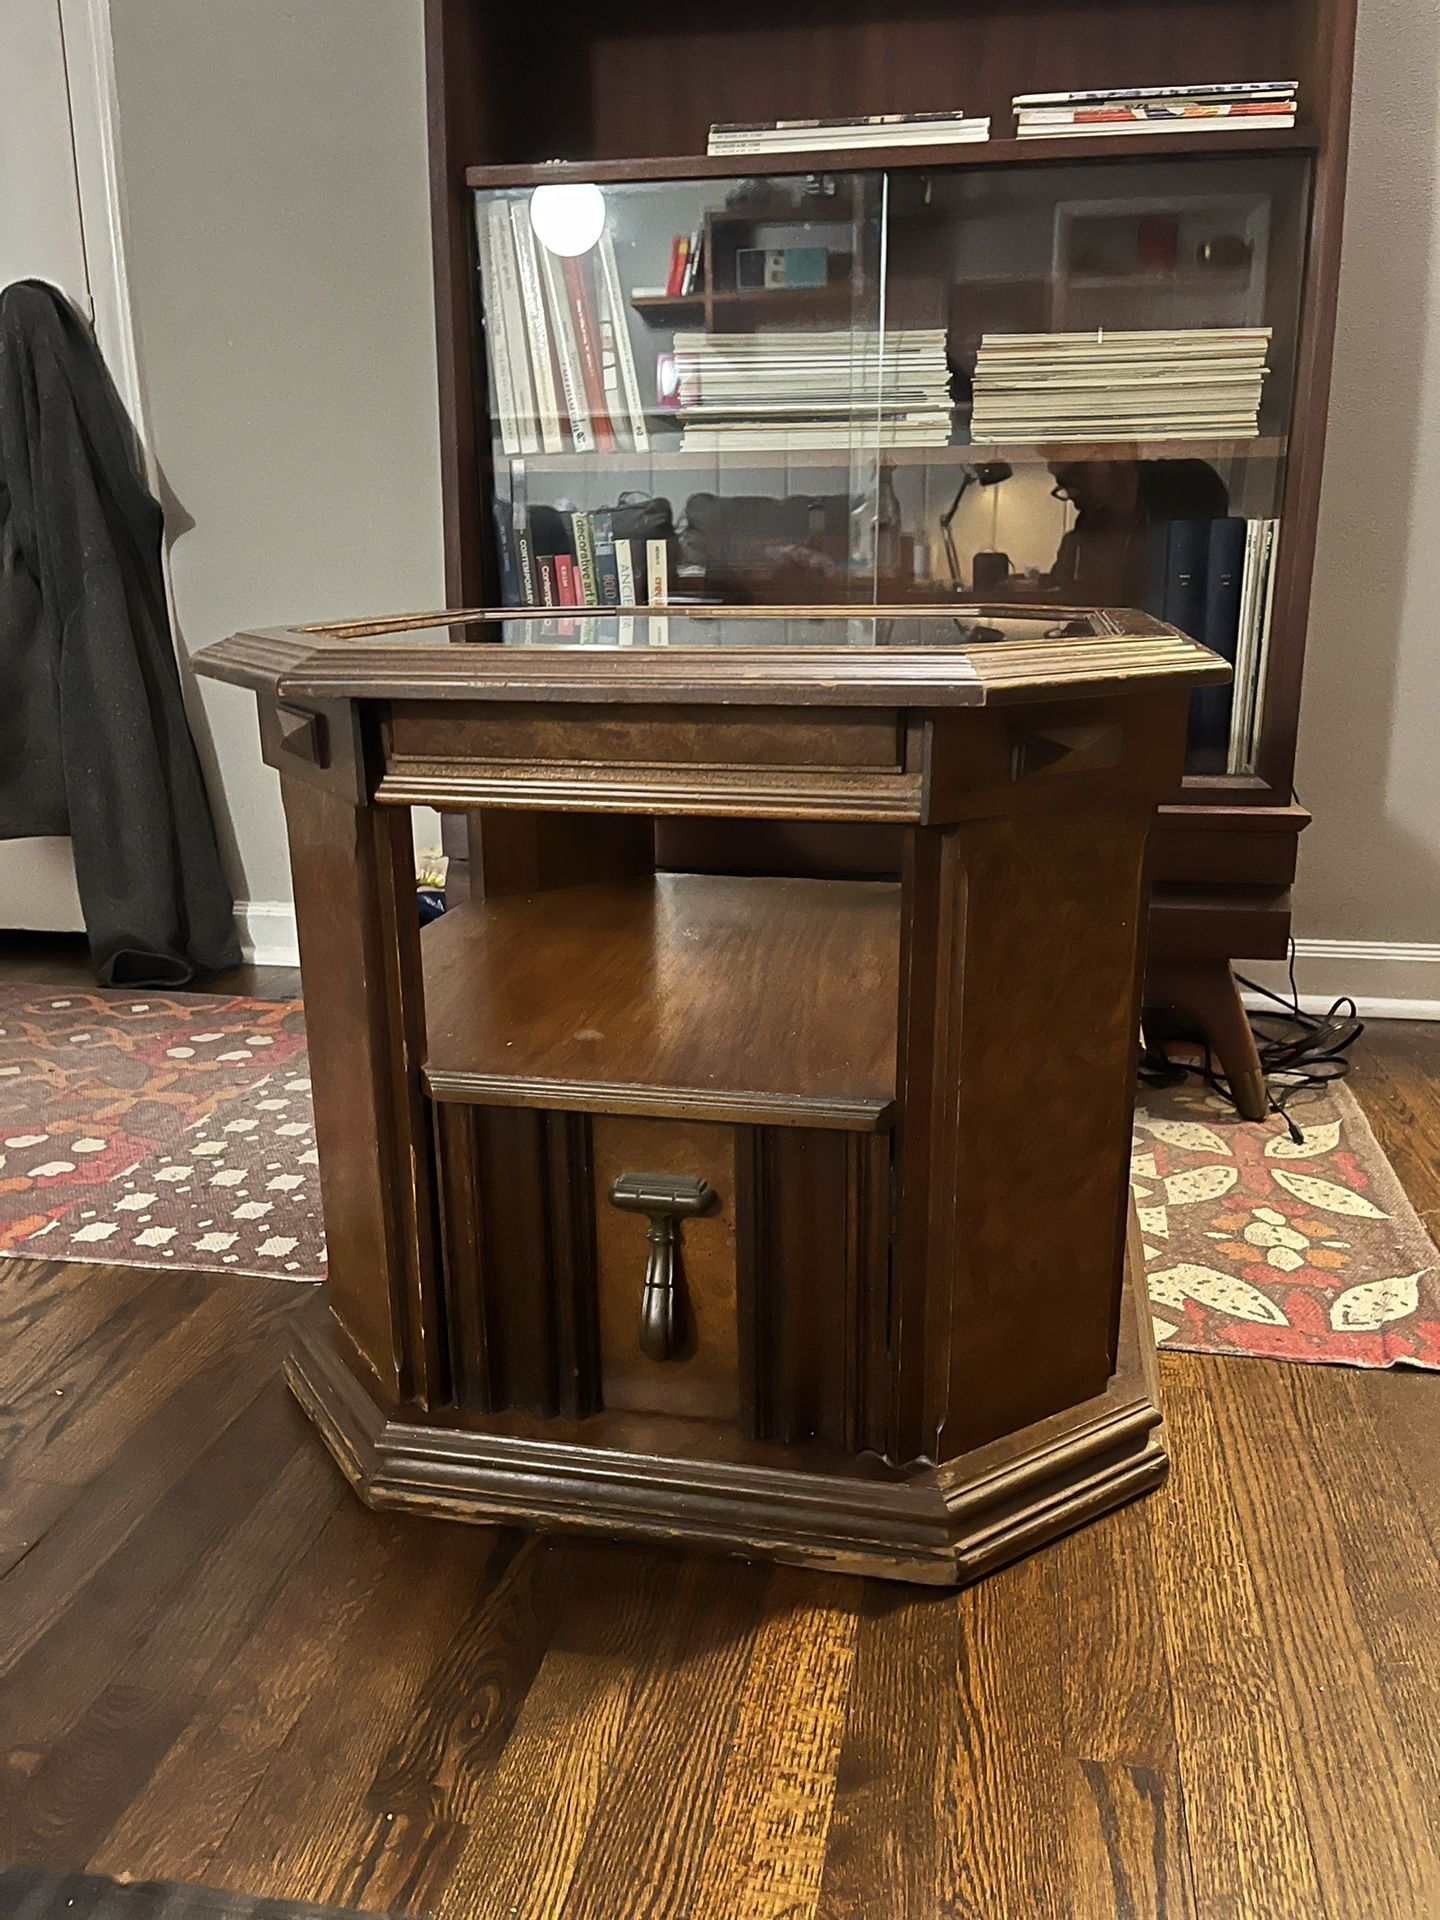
x=1224, y=577
x=506, y=554
x=1186, y=558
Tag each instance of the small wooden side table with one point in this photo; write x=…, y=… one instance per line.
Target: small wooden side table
x=778, y=1207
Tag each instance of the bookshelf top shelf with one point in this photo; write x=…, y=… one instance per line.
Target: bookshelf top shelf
x=981, y=153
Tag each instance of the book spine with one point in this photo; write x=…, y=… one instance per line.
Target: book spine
x=567, y=356
x=566, y=591
x=679, y=254
x=505, y=554
x=624, y=346
x=525, y=564
x=587, y=342
x=512, y=321
x=657, y=572
x=547, y=393
x=1240, y=704
x=1210, y=709
x=1265, y=597
x=545, y=579
x=625, y=573
x=585, y=560
x=607, y=561
x=502, y=386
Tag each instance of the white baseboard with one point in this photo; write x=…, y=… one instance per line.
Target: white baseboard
x=1387, y=979
x=267, y=933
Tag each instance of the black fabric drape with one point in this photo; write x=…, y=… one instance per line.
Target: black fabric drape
x=94, y=741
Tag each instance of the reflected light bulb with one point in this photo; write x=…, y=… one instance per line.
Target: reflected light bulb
x=567, y=219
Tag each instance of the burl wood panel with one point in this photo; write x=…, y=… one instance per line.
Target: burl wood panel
x=1018, y=1039
x=651, y=996
x=703, y=1379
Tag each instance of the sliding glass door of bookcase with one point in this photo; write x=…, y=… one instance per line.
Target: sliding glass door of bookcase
x=684, y=383
x=1122, y=343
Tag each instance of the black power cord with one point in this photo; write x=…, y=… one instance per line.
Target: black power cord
x=1298, y=1050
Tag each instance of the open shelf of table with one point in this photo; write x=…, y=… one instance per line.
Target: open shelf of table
x=766, y=1001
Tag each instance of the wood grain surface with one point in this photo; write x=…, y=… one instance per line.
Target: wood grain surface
x=216, y=1667
x=632, y=996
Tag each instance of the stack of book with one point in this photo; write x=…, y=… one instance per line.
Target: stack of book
x=1239, y=103
x=562, y=365
x=1184, y=383
x=798, y=392
x=877, y=130
x=550, y=558
x=1215, y=580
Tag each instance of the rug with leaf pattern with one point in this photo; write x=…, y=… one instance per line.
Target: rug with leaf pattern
x=1257, y=1245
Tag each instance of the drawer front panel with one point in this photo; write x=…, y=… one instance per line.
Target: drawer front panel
x=779, y=1276
x=702, y=1379
x=647, y=736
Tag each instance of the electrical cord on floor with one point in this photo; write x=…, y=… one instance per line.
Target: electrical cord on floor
x=1307, y=1051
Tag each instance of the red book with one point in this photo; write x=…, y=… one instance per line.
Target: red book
x=587, y=343
x=567, y=587
x=679, y=254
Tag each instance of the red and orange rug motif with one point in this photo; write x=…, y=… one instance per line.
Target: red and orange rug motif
x=163, y=1130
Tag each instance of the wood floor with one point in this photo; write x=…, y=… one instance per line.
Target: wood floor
x=216, y=1667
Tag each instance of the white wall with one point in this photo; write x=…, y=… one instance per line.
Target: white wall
x=1367, y=905
x=278, y=246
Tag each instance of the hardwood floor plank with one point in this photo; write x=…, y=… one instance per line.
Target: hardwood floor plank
x=526, y=1832
x=139, y=1459
x=1114, y=1673
x=463, y=1714
x=1250, y=1849
x=115, y=1611
x=767, y=1845
x=299, y=1649
x=1129, y=1854
x=1374, y=1844
x=350, y=1720
x=1394, y=1593
x=1001, y=1783
x=882, y=1862
x=644, y=1851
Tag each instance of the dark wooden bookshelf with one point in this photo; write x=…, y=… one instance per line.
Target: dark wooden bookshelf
x=626, y=98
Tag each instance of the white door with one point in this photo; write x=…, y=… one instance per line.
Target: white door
x=40, y=238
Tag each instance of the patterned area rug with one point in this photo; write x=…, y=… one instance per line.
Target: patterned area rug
x=157, y=1130
x=1256, y=1245
x=176, y=1130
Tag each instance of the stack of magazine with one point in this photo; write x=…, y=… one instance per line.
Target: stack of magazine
x=1183, y=383
x=1180, y=110
x=562, y=365
x=801, y=392
x=877, y=130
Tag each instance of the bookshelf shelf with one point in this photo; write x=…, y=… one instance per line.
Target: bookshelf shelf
x=784, y=303
x=666, y=459
x=981, y=153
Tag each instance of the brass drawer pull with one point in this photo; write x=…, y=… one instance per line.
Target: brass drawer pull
x=665, y=1198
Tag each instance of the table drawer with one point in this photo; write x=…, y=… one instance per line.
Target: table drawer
x=777, y=1268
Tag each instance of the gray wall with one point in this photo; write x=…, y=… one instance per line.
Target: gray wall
x=279, y=256
x=1369, y=765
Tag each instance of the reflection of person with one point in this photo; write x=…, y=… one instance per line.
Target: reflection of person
x=1104, y=558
